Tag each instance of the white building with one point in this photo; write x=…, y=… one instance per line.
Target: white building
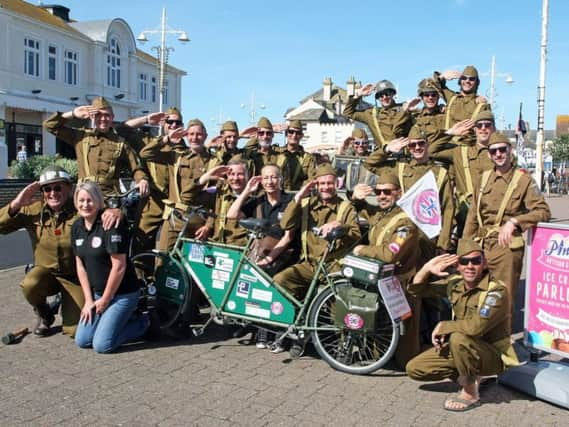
x=51, y=63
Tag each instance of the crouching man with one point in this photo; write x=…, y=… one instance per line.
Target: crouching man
x=477, y=342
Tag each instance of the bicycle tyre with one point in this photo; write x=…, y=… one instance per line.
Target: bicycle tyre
x=160, y=274
x=368, y=352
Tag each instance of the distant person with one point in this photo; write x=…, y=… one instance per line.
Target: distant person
x=22, y=155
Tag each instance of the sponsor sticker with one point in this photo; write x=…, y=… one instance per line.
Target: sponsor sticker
x=353, y=321
x=243, y=289
x=209, y=261
x=217, y=284
x=220, y=275
x=253, y=309
x=172, y=283
x=262, y=295
x=277, y=308
x=196, y=253
x=231, y=305
x=225, y=264
x=251, y=279
x=348, y=272
x=259, y=277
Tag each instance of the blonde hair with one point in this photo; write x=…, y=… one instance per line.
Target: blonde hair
x=93, y=189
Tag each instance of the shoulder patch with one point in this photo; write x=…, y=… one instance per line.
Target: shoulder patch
x=490, y=300
x=116, y=238
x=485, y=311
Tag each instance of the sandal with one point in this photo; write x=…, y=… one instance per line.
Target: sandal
x=468, y=404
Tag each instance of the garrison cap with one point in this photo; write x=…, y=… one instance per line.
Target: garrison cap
x=230, y=125
x=174, y=111
x=359, y=133
x=264, y=123
x=387, y=177
x=499, y=138
x=100, y=103
x=196, y=122
x=325, y=169
x=417, y=133
x=470, y=71
x=53, y=174
x=485, y=115
x=295, y=124
x=466, y=246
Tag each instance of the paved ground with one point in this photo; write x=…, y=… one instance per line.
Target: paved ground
x=218, y=381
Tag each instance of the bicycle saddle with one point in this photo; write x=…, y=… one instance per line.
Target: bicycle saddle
x=256, y=225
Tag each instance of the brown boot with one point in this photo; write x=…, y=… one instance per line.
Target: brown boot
x=45, y=320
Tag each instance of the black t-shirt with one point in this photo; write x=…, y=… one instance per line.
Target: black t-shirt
x=267, y=211
x=95, y=246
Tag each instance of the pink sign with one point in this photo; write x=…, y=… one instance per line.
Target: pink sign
x=547, y=290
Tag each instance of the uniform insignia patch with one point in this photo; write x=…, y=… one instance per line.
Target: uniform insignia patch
x=116, y=238
x=394, y=247
x=491, y=301
x=79, y=242
x=495, y=294
x=485, y=312
x=96, y=242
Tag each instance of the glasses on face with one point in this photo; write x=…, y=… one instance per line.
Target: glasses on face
x=48, y=188
x=430, y=95
x=502, y=149
x=477, y=260
x=385, y=94
x=484, y=125
x=360, y=142
x=416, y=144
x=265, y=133
x=294, y=132
x=386, y=191
x=174, y=122
x=470, y=79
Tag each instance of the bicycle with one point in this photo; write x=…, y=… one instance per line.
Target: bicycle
x=343, y=313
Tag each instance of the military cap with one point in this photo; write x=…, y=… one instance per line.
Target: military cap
x=359, y=133
x=466, y=246
x=264, y=123
x=387, y=177
x=384, y=85
x=485, y=115
x=470, y=71
x=426, y=85
x=100, y=103
x=53, y=174
x=295, y=124
x=174, y=111
x=325, y=169
x=196, y=122
x=416, y=133
x=499, y=138
x=230, y=125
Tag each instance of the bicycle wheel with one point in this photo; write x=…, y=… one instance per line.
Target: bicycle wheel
x=166, y=286
x=347, y=350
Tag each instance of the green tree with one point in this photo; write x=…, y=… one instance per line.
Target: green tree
x=32, y=167
x=559, y=150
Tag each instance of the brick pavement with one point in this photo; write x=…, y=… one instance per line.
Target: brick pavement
x=217, y=381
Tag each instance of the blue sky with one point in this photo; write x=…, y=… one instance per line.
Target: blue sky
x=283, y=50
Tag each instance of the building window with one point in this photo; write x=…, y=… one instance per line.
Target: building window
x=143, y=87
x=165, y=100
x=70, y=65
x=52, y=62
x=153, y=89
x=114, y=64
x=31, y=57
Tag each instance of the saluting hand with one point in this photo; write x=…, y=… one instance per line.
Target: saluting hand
x=25, y=197
x=252, y=184
x=461, y=128
x=412, y=105
x=250, y=132
x=304, y=191
x=156, y=118
x=82, y=112
x=451, y=74
x=365, y=90
x=397, y=144
x=361, y=191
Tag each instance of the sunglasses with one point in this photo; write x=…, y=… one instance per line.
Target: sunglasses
x=477, y=260
x=48, y=188
x=502, y=149
x=386, y=191
x=265, y=133
x=470, y=79
x=419, y=144
x=360, y=142
x=294, y=132
x=174, y=122
x=385, y=94
x=430, y=95
x=484, y=125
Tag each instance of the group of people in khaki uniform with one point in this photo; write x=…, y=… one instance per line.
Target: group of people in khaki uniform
x=486, y=201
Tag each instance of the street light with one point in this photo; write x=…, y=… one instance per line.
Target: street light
x=493, y=74
x=253, y=108
x=163, y=50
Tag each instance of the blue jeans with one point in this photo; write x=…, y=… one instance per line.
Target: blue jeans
x=114, y=327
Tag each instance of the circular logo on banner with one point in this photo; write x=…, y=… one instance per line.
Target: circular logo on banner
x=426, y=207
x=348, y=272
x=276, y=308
x=353, y=321
x=96, y=242
x=231, y=305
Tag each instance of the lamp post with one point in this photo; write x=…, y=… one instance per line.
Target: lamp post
x=493, y=75
x=163, y=50
x=540, y=137
x=253, y=108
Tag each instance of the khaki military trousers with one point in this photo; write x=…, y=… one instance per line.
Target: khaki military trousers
x=296, y=279
x=150, y=221
x=40, y=282
x=505, y=264
x=462, y=360
x=410, y=342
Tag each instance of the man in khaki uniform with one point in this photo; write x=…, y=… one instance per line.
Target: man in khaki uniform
x=409, y=172
x=325, y=211
x=477, y=341
x=463, y=105
x=431, y=118
x=393, y=239
x=101, y=153
x=185, y=167
x=355, y=145
x=506, y=203
x=386, y=123
x=300, y=165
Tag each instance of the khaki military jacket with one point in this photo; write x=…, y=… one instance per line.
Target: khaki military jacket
x=301, y=167
x=274, y=157
x=100, y=157
x=318, y=214
x=409, y=172
x=526, y=205
x=385, y=124
x=433, y=124
x=50, y=234
x=227, y=230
